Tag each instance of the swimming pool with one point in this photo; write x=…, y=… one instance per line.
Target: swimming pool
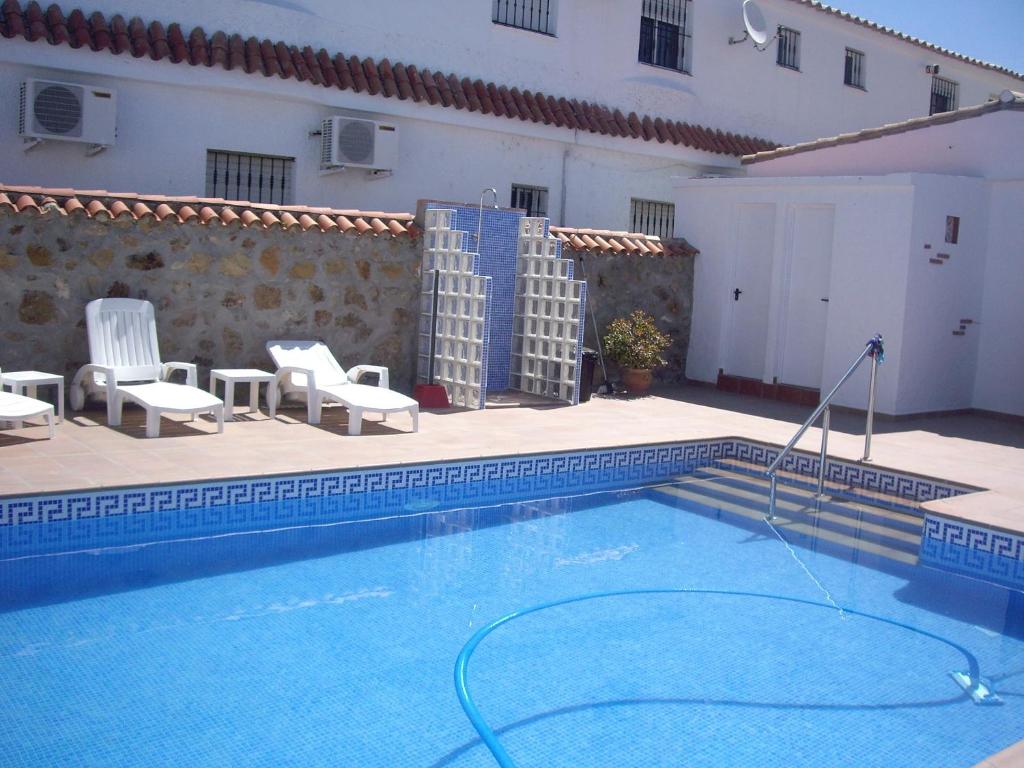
x=331, y=639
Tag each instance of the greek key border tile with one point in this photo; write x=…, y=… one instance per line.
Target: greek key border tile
x=964, y=548
x=855, y=476
x=182, y=498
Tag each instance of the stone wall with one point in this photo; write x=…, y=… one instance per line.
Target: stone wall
x=220, y=292
x=659, y=285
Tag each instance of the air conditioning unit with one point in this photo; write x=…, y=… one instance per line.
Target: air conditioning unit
x=347, y=142
x=68, y=112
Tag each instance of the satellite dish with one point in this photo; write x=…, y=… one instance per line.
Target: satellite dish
x=753, y=20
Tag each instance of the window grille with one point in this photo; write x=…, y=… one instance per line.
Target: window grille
x=653, y=218
x=532, y=15
x=854, y=71
x=789, y=48
x=254, y=178
x=944, y=95
x=666, y=33
x=533, y=200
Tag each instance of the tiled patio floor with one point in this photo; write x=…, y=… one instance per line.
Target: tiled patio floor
x=976, y=450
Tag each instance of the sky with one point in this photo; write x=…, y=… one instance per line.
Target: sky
x=990, y=30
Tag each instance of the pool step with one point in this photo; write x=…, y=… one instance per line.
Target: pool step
x=880, y=519
x=876, y=498
x=802, y=520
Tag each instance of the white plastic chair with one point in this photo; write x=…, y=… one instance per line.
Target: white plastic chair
x=308, y=370
x=125, y=365
x=17, y=408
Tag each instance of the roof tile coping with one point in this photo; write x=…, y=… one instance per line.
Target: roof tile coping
x=609, y=241
x=383, y=78
x=1008, y=100
x=875, y=26
x=182, y=209
x=101, y=204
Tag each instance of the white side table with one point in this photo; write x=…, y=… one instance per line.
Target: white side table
x=232, y=376
x=25, y=383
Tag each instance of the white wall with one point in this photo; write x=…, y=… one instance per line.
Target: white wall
x=594, y=57
x=999, y=380
x=165, y=128
x=937, y=368
x=967, y=147
x=868, y=280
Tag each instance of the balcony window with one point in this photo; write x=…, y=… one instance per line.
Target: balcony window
x=854, y=70
x=533, y=200
x=254, y=178
x=652, y=217
x=666, y=34
x=788, y=55
x=944, y=95
x=531, y=15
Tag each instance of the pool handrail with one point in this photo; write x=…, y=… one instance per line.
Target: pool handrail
x=876, y=352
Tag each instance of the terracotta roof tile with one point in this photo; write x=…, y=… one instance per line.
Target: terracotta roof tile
x=483, y=97
x=118, y=209
x=373, y=84
x=497, y=103
x=381, y=79
x=100, y=204
x=341, y=72
x=35, y=27
x=327, y=70
x=458, y=95
x=627, y=243
x=387, y=79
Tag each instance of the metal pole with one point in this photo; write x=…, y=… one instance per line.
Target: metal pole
x=871, y=409
x=817, y=411
x=433, y=328
x=824, y=451
x=771, y=497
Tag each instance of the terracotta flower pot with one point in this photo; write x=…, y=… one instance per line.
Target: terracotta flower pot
x=637, y=380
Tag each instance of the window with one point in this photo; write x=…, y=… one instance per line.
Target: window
x=533, y=15
x=952, y=229
x=653, y=218
x=789, y=48
x=854, y=71
x=533, y=200
x=944, y=95
x=666, y=33
x=255, y=178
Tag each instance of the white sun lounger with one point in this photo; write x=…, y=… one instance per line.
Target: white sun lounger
x=17, y=408
x=126, y=366
x=308, y=370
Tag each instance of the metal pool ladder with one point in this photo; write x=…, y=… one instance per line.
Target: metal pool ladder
x=876, y=352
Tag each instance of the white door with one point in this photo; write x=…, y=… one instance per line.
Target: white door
x=809, y=258
x=749, y=292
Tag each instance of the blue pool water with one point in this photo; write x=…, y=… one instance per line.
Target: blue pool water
x=334, y=645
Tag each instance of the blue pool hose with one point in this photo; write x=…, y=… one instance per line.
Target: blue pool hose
x=490, y=738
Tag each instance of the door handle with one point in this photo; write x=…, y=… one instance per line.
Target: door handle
x=736, y=294
x=825, y=299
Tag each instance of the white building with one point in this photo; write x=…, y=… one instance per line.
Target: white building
x=634, y=94
x=914, y=230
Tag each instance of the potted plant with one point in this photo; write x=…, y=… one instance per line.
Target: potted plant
x=636, y=344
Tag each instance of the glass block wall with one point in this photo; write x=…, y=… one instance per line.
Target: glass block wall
x=463, y=310
x=510, y=316
x=549, y=312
